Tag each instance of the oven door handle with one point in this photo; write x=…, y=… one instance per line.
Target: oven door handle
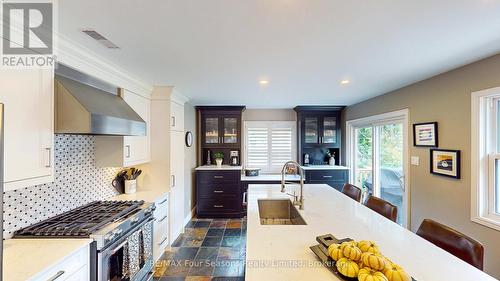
x=117, y=248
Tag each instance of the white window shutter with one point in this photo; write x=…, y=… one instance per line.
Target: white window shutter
x=281, y=147
x=257, y=147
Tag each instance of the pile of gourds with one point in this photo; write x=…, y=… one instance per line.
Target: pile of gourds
x=364, y=260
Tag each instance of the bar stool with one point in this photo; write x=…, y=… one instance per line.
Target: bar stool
x=383, y=207
x=452, y=241
x=352, y=191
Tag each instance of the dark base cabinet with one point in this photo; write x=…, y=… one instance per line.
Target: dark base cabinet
x=218, y=194
x=334, y=178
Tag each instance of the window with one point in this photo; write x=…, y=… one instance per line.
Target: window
x=269, y=144
x=485, y=162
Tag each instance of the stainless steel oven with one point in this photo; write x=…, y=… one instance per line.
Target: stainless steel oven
x=130, y=257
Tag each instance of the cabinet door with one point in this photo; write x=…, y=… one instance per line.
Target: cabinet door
x=210, y=130
x=329, y=130
x=176, y=195
x=136, y=149
x=230, y=130
x=28, y=101
x=311, y=130
x=177, y=117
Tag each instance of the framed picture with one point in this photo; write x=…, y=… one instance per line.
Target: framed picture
x=445, y=162
x=425, y=134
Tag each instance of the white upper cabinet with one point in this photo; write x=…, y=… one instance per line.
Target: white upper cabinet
x=125, y=151
x=28, y=101
x=177, y=116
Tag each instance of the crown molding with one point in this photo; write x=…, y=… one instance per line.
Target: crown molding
x=84, y=60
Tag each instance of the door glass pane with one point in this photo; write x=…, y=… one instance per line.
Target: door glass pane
x=329, y=130
x=390, y=167
x=230, y=130
x=311, y=130
x=363, y=175
x=212, y=130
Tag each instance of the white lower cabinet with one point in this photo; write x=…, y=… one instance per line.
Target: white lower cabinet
x=160, y=227
x=75, y=267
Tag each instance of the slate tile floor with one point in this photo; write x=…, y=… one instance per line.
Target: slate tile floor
x=209, y=249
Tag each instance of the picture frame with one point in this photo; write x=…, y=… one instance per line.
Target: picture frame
x=445, y=162
x=425, y=134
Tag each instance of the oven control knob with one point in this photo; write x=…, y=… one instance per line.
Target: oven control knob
x=117, y=232
x=109, y=237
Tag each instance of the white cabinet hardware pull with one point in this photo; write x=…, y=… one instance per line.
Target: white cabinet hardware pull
x=218, y=177
x=327, y=176
x=58, y=274
x=173, y=121
x=128, y=151
x=49, y=157
x=218, y=206
x=244, y=198
x=173, y=180
x=162, y=219
x=218, y=191
x=163, y=241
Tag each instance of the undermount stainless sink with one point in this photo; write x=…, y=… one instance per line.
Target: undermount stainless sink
x=279, y=212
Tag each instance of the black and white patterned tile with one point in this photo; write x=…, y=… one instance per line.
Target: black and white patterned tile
x=78, y=181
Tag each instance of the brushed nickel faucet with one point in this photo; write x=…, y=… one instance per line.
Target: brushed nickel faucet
x=297, y=201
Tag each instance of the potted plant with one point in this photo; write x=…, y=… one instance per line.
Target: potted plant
x=219, y=156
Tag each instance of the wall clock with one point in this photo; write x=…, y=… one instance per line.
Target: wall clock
x=189, y=139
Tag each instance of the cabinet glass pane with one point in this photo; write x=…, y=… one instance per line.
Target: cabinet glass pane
x=230, y=130
x=212, y=130
x=311, y=131
x=329, y=130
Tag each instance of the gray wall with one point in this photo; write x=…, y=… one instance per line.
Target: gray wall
x=190, y=159
x=445, y=99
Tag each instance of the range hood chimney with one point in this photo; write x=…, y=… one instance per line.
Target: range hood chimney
x=88, y=106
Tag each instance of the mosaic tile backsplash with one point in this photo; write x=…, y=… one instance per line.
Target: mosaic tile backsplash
x=78, y=181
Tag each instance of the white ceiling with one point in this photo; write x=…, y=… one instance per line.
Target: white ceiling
x=216, y=51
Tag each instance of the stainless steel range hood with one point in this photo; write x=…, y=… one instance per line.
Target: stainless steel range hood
x=89, y=106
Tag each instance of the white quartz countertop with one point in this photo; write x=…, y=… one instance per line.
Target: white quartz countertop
x=150, y=196
x=325, y=167
x=281, y=252
x=216, y=168
x=25, y=258
x=270, y=177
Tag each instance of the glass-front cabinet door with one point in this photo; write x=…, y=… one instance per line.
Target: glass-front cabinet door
x=211, y=130
x=311, y=130
x=230, y=129
x=329, y=130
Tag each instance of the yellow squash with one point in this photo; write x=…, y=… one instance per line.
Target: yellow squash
x=335, y=251
x=373, y=261
x=347, y=267
x=368, y=246
x=352, y=252
x=396, y=273
x=367, y=274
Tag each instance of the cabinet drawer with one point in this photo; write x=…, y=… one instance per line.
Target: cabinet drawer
x=161, y=208
x=229, y=204
x=66, y=268
x=215, y=190
x=327, y=175
x=160, y=238
x=218, y=176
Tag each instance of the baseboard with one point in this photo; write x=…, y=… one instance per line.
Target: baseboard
x=189, y=216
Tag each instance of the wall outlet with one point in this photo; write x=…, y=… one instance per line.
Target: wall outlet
x=415, y=160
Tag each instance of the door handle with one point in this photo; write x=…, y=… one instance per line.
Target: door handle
x=173, y=121
x=218, y=191
x=162, y=219
x=244, y=199
x=218, y=206
x=327, y=177
x=48, y=163
x=163, y=241
x=218, y=177
x=173, y=180
x=128, y=151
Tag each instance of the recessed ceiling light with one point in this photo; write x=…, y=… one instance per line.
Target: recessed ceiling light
x=263, y=82
x=344, y=82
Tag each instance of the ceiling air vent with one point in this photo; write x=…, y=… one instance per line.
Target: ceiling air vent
x=99, y=38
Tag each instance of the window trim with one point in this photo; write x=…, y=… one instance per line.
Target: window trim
x=482, y=175
x=269, y=125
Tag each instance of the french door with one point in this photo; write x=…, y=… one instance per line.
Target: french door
x=378, y=158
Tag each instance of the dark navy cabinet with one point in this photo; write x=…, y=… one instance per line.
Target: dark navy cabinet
x=218, y=193
x=335, y=178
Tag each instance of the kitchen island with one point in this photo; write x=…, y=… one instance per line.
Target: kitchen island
x=281, y=252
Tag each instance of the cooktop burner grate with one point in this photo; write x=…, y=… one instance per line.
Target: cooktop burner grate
x=82, y=221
